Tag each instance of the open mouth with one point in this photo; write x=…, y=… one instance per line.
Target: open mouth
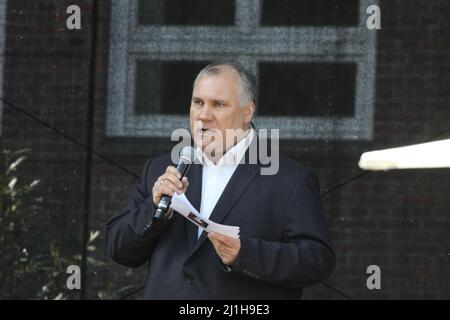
x=206, y=130
x=207, y=134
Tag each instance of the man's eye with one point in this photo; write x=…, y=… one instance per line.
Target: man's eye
x=220, y=104
x=197, y=102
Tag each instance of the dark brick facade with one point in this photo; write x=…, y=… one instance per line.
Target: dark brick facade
x=397, y=220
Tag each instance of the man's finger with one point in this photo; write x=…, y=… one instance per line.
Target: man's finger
x=221, y=250
x=173, y=179
x=174, y=171
x=185, y=184
x=215, y=243
x=228, y=241
x=221, y=247
x=168, y=190
x=218, y=245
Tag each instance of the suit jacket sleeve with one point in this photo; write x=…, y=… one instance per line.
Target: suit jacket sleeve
x=131, y=234
x=304, y=256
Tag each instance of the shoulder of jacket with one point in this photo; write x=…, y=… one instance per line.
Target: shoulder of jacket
x=289, y=166
x=159, y=162
x=164, y=158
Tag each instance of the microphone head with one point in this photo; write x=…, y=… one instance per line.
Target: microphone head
x=187, y=154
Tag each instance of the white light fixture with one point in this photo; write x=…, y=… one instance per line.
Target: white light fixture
x=420, y=156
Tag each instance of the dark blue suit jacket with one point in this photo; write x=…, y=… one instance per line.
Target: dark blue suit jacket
x=284, y=239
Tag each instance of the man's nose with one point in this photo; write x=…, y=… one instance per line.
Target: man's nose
x=205, y=114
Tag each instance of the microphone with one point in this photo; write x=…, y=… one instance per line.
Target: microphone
x=186, y=158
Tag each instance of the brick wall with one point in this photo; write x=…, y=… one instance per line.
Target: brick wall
x=46, y=73
x=397, y=220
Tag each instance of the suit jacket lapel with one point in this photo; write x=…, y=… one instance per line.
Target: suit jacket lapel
x=194, y=194
x=239, y=181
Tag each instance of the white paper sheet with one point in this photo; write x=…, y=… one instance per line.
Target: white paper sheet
x=182, y=205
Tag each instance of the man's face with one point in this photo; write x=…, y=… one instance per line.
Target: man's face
x=216, y=107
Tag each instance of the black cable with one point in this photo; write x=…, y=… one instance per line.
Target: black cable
x=337, y=291
x=129, y=294
x=344, y=183
x=67, y=137
x=443, y=133
x=364, y=173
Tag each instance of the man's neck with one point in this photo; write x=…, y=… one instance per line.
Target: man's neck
x=215, y=158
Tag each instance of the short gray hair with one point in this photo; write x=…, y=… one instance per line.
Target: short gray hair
x=247, y=80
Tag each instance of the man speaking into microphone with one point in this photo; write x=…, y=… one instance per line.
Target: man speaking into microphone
x=283, y=245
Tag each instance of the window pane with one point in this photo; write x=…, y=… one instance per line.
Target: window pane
x=306, y=89
x=165, y=87
x=184, y=12
x=310, y=12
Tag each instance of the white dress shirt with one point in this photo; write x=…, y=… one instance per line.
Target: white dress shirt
x=216, y=177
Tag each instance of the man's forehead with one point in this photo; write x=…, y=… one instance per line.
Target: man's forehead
x=224, y=83
x=225, y=73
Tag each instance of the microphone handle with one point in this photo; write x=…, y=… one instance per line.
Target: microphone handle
x=164, y=203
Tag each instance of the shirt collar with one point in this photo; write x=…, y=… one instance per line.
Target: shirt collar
x=233, y=156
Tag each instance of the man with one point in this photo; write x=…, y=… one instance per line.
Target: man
x=283, y=245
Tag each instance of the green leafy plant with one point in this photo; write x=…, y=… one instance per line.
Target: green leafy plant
x=33, y=266
x=34, y=253
x=16, y=212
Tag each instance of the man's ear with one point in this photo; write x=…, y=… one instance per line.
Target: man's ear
x=249, y=111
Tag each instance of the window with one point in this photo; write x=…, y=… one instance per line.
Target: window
x=2, y=51
x=186, y=12
x=306, y=89
x=315, y=60
x=171, y=85
x=310, y=13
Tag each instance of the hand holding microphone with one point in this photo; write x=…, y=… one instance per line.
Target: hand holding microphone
x=173, y=180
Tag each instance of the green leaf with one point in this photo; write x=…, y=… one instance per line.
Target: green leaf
x=93, y=235
x=13, y=166
x=12, y=183
x=34, y=184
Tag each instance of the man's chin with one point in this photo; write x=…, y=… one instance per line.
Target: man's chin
x=200, y=143
x=205, y=145
x=204, y=141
